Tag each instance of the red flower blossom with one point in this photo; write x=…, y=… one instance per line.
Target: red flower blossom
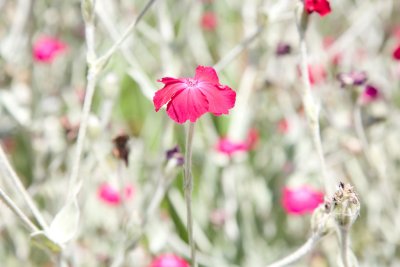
x=301, y=200
x=396, y=53
x=189, y=98
x=111, y=196
x=169, y=260
x=322, y=7
x=46, y=48
x=209, y=21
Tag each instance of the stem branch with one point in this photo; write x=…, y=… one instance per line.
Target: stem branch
x=300, y=252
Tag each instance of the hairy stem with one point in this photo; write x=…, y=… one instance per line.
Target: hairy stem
x=312, y=109
x=74, y=183
x=188, y=187
x=344, y=246
x=300, y=252
x=7, y=171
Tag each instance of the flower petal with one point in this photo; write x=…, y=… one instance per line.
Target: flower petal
x=206, y=74
x=220, y=98
x=187, y=104
x=164, y=95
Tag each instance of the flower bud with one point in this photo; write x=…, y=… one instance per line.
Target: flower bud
x=345, y=205
x=88, y=10
x=319, y=220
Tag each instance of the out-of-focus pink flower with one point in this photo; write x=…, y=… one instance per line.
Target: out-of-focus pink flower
x=396, y=53
x=316, y=72
x=111, y=195
x=301, y=200
x=283, y=126
x=336, y=58
x=370, y=94
x=189, y=98
x=252, y=138
x=209, y=21
x=322, y=7
x=229, y=147
x=396, y=32
x=47, y=48
x=169, y=260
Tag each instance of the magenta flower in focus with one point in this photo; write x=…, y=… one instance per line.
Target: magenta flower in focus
x=301, y=200
x=370, y=94
x=169, y=260
x=111, y=195
x=322, y=7
x=189, y=98
x=209, y=21
x=47, y=48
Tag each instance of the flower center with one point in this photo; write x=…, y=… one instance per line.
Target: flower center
x=190, y=82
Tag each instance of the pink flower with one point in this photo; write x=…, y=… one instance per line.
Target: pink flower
x=111, y=196
x=317, y=73
x=46, y=48
x=322, y=7
x=189, y=98
x=229, y=147
x=209, y=21
x=301, y=200
x=169, y=260
x=283, y=126
x=396, y=53
x=370, y=94
x=336, y=58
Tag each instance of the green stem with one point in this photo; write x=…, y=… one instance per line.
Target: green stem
x=188, y=186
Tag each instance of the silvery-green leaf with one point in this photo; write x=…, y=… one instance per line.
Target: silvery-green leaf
x=65, y=224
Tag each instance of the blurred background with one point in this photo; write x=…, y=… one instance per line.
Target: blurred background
x=245, y=165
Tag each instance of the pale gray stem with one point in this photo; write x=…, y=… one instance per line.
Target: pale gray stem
x=7, y=171
x=188, y=187
x=237, y=49
x=90, y=88
x=128, y=30
x=310, y=104
x=13, y=207
x=344, y=246
x=300, y=252
x=74, y=185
